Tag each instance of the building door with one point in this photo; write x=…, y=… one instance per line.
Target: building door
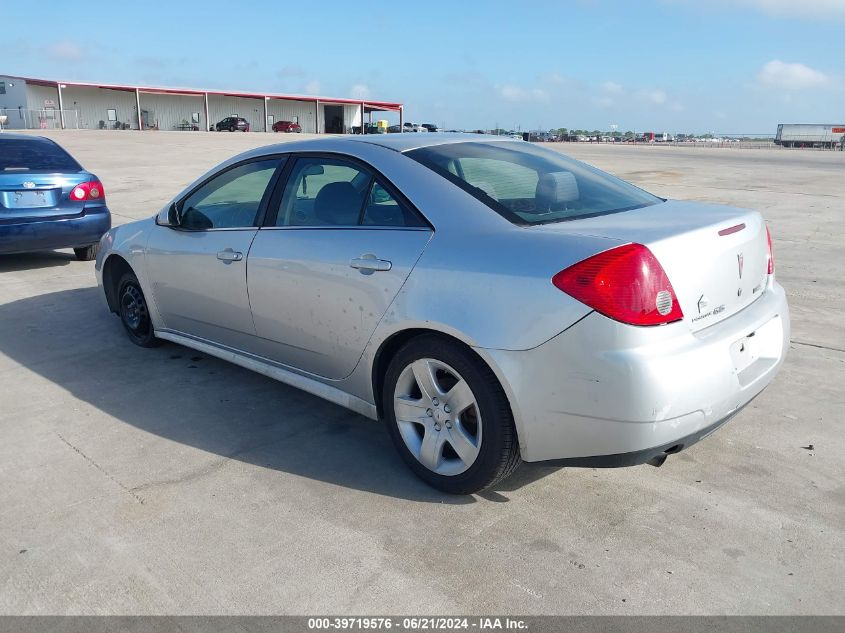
x=333, y=118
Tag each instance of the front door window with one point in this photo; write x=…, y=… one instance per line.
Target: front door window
x=231, y=200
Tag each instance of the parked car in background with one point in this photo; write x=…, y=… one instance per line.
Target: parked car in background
x=430, y=127
x=47, y=200
x=285, y=126
x=371, y=128
x=232, y=124
x=623, y=327
x=409, y=127
x=394, y=129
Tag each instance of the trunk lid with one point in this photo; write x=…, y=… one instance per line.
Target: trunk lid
x=29, y=195
x=715, y=256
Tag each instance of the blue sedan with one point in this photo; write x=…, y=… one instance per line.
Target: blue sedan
x=47, y=200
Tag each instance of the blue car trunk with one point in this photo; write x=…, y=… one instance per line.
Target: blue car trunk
x=39, y=196
x=47, y=200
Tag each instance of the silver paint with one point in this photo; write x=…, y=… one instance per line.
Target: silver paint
x=579, y=384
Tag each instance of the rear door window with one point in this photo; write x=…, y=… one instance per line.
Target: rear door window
x=326, y=192
x=383, y=209
x=25, y=155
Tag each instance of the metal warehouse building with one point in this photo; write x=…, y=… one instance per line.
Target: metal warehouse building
x=45, y=104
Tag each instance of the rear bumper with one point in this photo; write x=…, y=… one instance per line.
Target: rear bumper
x=654, y=455
x=607, y=394
x=72, y=232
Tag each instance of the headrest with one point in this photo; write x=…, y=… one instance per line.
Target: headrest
x=556, y=188
x=487, y=187
x=338, y=203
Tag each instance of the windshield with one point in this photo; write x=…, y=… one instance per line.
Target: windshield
x=24, y=155
x=530, y=185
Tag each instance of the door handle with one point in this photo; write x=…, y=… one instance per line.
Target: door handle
x=229, y=255
x=369, y=263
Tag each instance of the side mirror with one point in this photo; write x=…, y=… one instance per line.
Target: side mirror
x=169, y=216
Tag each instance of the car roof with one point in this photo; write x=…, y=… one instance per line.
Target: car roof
x=25, y=137
x=397, y=142
x=407, y=141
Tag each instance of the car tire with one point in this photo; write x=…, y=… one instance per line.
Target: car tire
x=134, y=313
x=463, y=439
x=232, y=129
x=86, y=253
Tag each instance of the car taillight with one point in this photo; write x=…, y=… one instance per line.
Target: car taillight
x=92, y=190
x=770, y=256
x=626, y=283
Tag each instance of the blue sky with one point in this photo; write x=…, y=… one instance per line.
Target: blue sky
x=730, y=66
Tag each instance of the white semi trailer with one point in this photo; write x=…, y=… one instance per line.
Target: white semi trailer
x=808, y=135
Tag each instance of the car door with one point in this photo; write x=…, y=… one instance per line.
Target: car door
x=198, y=268
x=328, y=262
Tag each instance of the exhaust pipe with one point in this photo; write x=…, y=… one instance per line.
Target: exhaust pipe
x=657, y=460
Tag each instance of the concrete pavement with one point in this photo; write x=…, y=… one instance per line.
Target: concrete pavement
x=165, y=482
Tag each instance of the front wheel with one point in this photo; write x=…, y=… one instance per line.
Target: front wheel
x=134, y=313
x=448, y=416
x=86, y=253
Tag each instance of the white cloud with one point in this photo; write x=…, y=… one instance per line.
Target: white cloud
x=657, y=97
x=312, y=87
x=802, y=9
x=360, y=91
x=65, y=49
x=555, y=79
x=613, y=88
x=778, y=74
x=510, y=92
x=604, y=102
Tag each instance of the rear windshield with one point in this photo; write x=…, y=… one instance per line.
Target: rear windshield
x=530, y=185
x=24, y=155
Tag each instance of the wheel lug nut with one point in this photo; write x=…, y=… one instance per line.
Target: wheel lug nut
x=448, y=425
x=435, y=401
x=429, y=412
x=447, y=408
x=436, y=427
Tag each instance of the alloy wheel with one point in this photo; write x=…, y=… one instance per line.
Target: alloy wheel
x=438, y=416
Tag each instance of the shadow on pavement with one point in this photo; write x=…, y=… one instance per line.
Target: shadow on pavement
x=200, y=401
x=32, y=261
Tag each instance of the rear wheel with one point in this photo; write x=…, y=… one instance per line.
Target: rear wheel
x=86, y=253
x=134, y=313
x=448, y=417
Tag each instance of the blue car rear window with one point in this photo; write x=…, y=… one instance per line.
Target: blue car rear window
x=25, y=155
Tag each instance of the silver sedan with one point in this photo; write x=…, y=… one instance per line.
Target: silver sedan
x=490, y=300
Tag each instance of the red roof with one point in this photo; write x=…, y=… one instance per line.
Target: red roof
x=369, y=104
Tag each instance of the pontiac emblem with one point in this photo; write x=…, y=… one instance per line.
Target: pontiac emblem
x=29, y=185
x=739, y=262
